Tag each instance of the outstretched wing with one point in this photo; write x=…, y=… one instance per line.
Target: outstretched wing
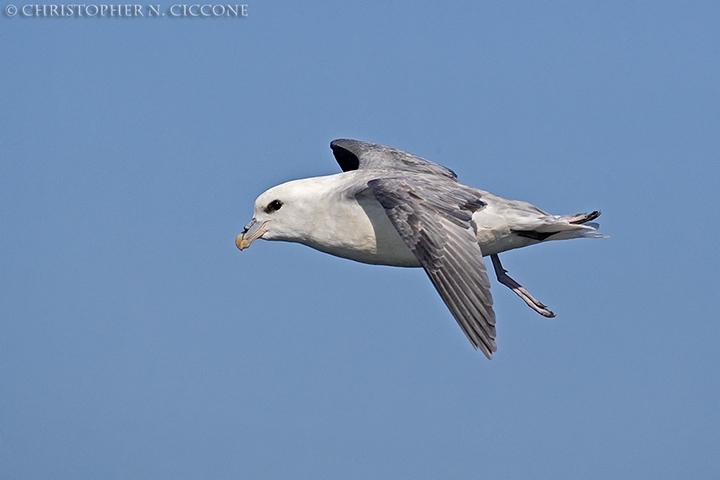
x=433, y=219
x=355, y=155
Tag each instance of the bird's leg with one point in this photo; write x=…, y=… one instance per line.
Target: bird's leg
x=506, y=280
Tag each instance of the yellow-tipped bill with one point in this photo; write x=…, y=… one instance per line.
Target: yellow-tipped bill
x=252, y=232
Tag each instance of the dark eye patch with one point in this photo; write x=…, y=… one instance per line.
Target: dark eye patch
x=273, y=206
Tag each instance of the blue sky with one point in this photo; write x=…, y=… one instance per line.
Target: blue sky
x=136, y=341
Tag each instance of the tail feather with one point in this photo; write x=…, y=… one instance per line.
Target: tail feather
x=582, y=232
x=580, y=218
x=566, y=227
x=584, y=228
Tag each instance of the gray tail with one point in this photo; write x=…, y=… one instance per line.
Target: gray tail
x=567, y=227
x=580, y=218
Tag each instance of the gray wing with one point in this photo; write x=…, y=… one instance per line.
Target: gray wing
x=355, y=155
x=433, y=219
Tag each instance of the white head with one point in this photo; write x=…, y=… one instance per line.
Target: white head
x=284, y=212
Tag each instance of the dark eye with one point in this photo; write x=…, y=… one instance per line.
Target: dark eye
x=273, y=206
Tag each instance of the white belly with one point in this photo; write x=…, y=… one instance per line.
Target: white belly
x=360, y=230
x=364, y=233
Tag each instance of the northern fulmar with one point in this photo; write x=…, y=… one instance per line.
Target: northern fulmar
x=390, y=207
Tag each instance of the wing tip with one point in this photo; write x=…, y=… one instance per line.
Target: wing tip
x=488, y=351
x=346, y=153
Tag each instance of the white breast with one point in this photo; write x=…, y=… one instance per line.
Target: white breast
x=360, y=230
